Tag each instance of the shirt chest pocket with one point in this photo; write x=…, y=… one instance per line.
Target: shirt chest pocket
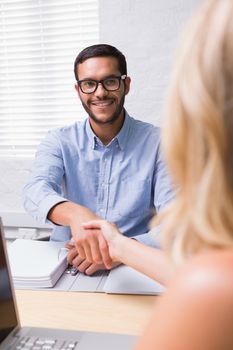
x=134, y=197
x=88, y=177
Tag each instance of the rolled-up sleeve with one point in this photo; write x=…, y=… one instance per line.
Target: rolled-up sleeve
x=163, y=194
x=163, y=189
x=44, y=187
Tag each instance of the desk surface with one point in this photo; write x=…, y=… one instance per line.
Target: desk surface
x=84, y=311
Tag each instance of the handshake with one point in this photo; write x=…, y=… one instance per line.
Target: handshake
x=97, y=245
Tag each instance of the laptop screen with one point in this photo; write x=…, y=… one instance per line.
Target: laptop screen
x=8, y=318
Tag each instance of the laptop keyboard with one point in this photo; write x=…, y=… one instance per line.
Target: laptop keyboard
x=35, y=343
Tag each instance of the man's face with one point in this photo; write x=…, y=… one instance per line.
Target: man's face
x=102, y=106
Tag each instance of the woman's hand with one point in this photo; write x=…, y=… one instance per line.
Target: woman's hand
x=111, y=234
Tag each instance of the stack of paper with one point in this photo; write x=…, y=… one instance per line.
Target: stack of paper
x=36, y=264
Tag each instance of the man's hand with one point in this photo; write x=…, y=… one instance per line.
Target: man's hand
x=90, y=244
x=113, y=237
x=83, y=265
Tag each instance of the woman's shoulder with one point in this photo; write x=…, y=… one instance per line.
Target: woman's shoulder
x=203, y=290
x=209, y=267
x=196, y=311
x=212, y=269
x=207, y=280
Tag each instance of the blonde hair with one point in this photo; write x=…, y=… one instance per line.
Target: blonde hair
x=197, y=137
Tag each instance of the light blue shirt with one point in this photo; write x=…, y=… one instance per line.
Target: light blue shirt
x=124, y=182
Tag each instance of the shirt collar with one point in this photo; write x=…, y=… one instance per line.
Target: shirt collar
x=121, y=137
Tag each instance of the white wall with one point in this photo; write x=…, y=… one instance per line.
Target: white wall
x=146, y=31
x=13, y=173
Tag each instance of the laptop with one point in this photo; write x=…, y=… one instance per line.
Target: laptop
x=13, y=336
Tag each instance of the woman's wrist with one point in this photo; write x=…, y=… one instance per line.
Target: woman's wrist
x=120, y=247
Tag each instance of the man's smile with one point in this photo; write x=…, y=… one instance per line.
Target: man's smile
x=102, y=103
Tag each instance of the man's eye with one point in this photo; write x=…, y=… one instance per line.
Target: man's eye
x=89, y=84
x=111, y=82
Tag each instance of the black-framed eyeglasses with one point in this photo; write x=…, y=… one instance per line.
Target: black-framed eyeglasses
x=89, y=86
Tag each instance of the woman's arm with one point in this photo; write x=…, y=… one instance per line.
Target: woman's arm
x=150, y=261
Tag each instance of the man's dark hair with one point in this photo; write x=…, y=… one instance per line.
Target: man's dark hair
x=101, y=50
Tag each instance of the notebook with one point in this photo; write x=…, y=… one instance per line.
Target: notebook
x=48, y=268
x=13, y=336
x=36, y=264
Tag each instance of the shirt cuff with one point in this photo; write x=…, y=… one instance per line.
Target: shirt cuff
x=151, y=238
x=47, y=204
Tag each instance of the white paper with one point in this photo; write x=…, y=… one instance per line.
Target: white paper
x=37, y=263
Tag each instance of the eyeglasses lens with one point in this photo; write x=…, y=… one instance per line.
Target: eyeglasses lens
x=110, y=84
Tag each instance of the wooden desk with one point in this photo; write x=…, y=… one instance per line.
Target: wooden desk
x=84, y=311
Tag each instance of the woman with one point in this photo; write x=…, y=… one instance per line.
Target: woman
x=196, y=312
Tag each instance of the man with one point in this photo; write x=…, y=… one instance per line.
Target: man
x=108, y=166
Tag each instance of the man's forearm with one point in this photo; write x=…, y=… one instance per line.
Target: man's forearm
x=67, y=213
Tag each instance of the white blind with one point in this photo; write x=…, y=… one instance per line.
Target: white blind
x=39, y=40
